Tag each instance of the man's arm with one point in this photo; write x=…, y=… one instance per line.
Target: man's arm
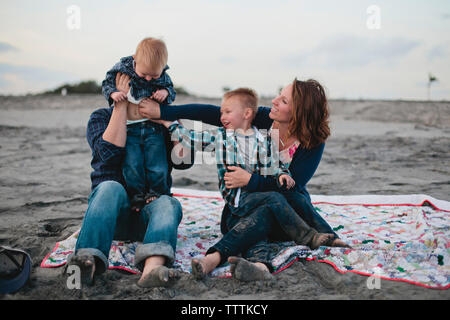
x=116, y=132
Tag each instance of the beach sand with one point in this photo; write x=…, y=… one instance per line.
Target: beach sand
x=376, y=147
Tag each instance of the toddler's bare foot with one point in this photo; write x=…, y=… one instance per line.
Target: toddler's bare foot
x=158, y=277
x=86, y=263
x=320, y=239
x=244, y=270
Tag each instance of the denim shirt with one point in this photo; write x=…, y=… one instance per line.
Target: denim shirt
x=139, y=87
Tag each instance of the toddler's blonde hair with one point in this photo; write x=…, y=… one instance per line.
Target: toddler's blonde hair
x=152, y=52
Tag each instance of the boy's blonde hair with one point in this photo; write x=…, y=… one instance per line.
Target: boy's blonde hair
x=152, y=52
x=247, y=96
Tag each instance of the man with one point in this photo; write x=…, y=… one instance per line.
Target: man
x=109, y=216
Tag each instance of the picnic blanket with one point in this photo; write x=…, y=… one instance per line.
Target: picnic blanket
x=402, y=238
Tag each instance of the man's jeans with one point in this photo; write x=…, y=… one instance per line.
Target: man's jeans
x=145, y=166
x=109, y=217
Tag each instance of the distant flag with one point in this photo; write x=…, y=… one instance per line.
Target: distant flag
x=431, y=79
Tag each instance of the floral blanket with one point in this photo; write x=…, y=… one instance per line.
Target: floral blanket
x=395, y=240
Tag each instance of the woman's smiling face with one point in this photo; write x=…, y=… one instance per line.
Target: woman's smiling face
x=282, y=106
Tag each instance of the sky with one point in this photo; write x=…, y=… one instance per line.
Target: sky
x=357, y=49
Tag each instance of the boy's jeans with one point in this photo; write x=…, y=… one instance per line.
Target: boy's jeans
x=109, y=217
x=261, y=216
x=145, y=166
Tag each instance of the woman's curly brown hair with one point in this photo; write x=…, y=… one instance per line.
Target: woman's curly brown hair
x=310, y=113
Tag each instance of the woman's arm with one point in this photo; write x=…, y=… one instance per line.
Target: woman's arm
x=262, y=120
x=206, y=113
x=305, y=163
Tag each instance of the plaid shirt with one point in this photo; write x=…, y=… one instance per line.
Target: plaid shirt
x=139, y=87
x=227, y=153
x=106, y=157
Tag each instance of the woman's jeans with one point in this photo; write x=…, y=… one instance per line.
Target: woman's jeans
x=261, y=216
x=303, y=206
x=109, y=217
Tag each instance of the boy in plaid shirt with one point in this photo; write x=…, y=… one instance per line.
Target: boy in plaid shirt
x=237, y=143
x=145, y=166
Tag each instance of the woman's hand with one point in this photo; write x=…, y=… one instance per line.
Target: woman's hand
x=236, y=177
x=149, y=109
x=122, y=82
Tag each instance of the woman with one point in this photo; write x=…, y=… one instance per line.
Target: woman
x=299, y=120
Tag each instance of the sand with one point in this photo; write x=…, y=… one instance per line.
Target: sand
x=376, y=147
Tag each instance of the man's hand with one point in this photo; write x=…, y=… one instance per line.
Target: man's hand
x=149, y=109
x=236, y=177
x=118, y=96
x=122, y=83
x=160, y=95
x=286, y=180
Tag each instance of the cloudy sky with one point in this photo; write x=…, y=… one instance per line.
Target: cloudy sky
x=356, y=48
